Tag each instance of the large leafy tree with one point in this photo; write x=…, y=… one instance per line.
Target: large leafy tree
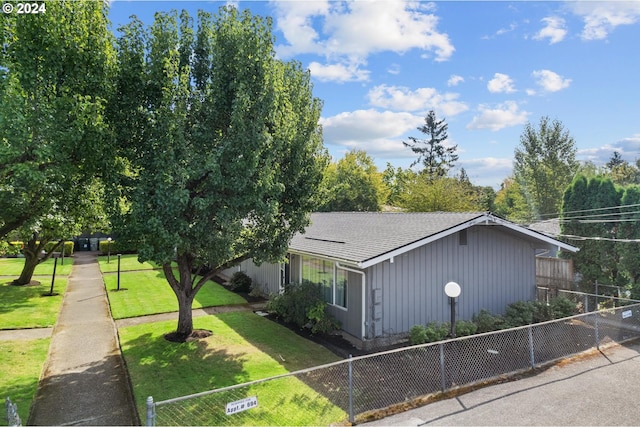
x=510, y=202
x=545, y=163
x=220, y=146
x=444, y=194
x=436, y=158
x=353, y=184
x=396, y=180
x=83, y=211
x=55, y=70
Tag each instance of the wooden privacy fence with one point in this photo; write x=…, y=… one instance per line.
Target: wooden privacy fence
x=554, y=272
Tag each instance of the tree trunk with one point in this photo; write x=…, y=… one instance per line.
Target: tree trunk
x=31, y=261
x=185, y=315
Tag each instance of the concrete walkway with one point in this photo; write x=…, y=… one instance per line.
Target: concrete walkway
x=84, y=381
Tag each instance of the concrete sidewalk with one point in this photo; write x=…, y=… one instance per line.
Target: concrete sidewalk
x=84, y=381
x=599, y=389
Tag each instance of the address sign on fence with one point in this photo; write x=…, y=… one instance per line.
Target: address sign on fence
x=242, y=405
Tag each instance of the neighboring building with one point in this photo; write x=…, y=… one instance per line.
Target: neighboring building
x=383, y=273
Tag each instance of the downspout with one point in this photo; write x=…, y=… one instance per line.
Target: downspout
x=364, y=301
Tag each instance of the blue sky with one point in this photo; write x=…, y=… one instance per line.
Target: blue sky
x=487, y=68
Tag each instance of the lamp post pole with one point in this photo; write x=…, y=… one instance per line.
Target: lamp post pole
x=109, y=250
x=452, y=290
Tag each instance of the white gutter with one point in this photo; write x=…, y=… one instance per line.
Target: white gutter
x=364, y=301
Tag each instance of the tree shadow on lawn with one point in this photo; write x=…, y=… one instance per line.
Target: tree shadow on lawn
x=330, y=382
x=17, y=297
x=93, y=394
x=166, y=370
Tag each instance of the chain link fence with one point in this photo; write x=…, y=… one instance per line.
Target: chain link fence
x=371, y=386
x=13, y=419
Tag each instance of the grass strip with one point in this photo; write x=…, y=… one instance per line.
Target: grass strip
x=244, y=347
x=23, y=307
x=21, y=363
x=13, y=267
x=127, y=263
x=147, y=292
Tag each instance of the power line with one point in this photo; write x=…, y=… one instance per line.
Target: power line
x=557, y=214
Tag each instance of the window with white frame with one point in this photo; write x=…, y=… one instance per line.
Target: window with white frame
x=331, y=280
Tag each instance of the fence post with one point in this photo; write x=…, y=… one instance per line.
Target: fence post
x=586, y=303
x=532, y=356
x=151, y=413
x=352, y=419
x=443, y=377
x=597, y=314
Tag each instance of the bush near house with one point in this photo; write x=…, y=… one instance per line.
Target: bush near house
x=240, y=282
x=302, y=305
x=520, y=313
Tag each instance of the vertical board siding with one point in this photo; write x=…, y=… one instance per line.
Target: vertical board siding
x=494, y=269
x=266, y=276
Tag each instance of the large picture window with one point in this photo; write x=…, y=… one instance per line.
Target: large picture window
x=331, y=280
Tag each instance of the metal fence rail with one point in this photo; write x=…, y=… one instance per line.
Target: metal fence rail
x=350, y=390
x=13, y=419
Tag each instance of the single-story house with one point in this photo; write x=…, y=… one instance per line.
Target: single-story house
x=383, y=273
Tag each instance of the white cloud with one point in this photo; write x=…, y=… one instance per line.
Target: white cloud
x=629, y=149
x=554, y=30
x=340, y=73
x=501, y=83
x=455, y=80
x=394, y=69
x=422, y=99
x=350, y=31
x=601, y=18
x=487, y=170
x=504, y=115
x=550, y=81
x=370, y=130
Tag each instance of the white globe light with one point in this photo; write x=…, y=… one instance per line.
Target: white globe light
x=452, y=289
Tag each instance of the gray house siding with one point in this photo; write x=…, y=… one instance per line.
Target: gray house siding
x=266, y=276
x=493, y=269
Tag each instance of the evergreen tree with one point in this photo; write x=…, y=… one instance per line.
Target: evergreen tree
x=589, y=212
x=433, y=155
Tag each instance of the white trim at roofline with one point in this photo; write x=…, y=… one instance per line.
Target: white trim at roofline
x=325, y=257
x=485, y=218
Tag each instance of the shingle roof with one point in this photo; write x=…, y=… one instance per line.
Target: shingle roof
x=361, y=236
x=367, y=238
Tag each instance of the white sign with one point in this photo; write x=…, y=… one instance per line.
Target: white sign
x=242, y=405
x=626, y=314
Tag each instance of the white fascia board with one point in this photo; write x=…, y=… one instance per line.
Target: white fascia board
x=422, y=242
x=533, y=234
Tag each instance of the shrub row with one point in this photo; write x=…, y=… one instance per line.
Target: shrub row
x=302, y=305
x=519, y=313
x=12, y=249
x=116, y=248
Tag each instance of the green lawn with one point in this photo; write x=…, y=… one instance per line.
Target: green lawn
x=243, y=347
x=21, y=363
x=24, y=307
x=13, y=267
x=127, y=263
x=147, y=292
